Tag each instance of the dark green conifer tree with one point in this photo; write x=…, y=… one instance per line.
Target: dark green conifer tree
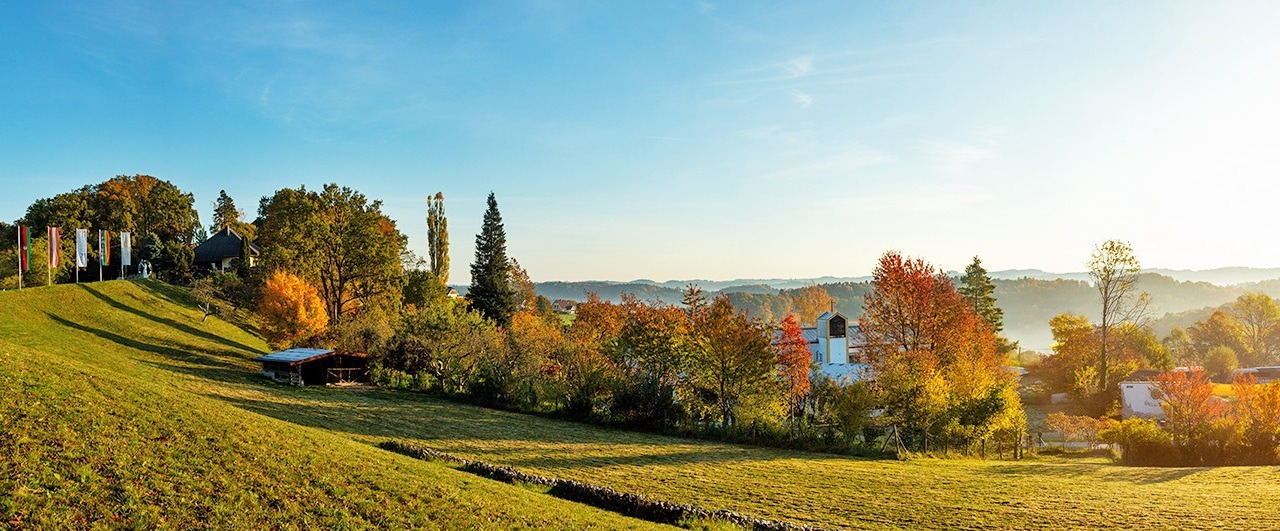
x=491, y=291
x=977, y=288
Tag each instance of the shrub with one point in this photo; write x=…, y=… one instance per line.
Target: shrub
x=1141, y=441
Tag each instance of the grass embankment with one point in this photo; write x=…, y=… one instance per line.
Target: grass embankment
x=180, y=395
x=112, y=413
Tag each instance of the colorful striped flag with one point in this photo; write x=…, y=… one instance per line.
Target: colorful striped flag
x=24, y=248
x=104, y=247
x=55, y=253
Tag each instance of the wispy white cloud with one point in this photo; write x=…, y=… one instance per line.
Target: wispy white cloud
x=803, y=99
x=800, y=66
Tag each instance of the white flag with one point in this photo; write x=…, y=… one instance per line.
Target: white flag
x=82, y=247
x=126, y=243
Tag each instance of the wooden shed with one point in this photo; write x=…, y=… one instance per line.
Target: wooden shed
x=314, y=366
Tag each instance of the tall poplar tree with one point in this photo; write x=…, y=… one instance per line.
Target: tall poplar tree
x=977, y=288
x=438, y=238
x=491, y=291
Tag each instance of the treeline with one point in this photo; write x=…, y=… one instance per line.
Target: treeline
x=1245, y=333
x=160, y=216
x=706, y=368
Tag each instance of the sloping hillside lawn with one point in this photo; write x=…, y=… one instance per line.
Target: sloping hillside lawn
x=112, y=415
x=181, y=399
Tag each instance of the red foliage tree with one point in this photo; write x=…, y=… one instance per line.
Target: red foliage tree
x=1190, y=409
x=929, y=352
x=794, y=359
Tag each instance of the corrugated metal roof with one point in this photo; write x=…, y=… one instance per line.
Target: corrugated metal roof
x=294, y=355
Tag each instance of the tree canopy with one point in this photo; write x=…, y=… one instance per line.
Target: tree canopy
x=977, y=288
x=139, y=204
x=337, y=240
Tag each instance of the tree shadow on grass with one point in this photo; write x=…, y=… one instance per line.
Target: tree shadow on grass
x=228, y=375
x=169, y=322
x=451, y=426
x=174, y=353
x=1096, y=472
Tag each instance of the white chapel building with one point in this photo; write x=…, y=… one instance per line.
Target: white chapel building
x=834, y=344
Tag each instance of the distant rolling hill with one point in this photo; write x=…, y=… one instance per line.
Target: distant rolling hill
x=1029, y=297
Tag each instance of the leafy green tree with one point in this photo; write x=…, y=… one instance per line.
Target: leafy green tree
x=732, y=364
x=1114, y=270
x=225, y=214
x=652, y=349
x=491, y=292
x=140, y=204
x=337, y=240
x=1180, y=348
x=152, y=248
x=438, y=238
x=1259, y=320
x=444, y=341
x=1220, y=361
x=1219, y=330
x=977, y=288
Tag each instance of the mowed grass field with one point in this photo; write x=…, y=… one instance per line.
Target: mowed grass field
x=113, y=415
x=187, y=430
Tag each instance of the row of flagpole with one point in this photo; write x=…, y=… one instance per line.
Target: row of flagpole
x=82, y=251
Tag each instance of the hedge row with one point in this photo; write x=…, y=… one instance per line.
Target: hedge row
x=628, y=504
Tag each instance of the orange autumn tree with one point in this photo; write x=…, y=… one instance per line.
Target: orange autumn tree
x=933, y=359
x=1257, y=411
x=794, y=359
x=291, y=310
x=1190, y=409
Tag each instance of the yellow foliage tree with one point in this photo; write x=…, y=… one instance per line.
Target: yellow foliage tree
x=291, y=310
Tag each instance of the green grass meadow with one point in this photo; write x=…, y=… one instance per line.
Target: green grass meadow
x=121, y=409
x=118, y=410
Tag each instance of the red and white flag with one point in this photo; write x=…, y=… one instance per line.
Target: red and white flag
x=55, y=255
x=24, y=248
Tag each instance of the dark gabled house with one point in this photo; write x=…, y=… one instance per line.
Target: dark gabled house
x=218, y=251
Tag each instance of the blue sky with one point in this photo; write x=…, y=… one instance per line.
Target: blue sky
x=675, y=140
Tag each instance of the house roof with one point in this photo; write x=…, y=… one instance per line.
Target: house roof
x=225, y=244
x=295, y=355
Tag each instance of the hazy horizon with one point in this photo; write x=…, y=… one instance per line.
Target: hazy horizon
x=683, y=140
